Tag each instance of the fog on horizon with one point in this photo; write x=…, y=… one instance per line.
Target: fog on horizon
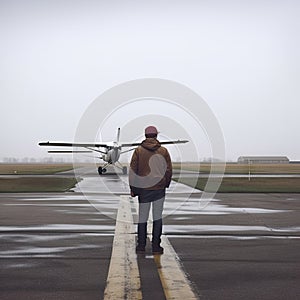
x=241, y=57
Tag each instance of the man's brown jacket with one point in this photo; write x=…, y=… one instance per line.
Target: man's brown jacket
x=150, y=167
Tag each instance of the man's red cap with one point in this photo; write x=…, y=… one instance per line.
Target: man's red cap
x=151, y=130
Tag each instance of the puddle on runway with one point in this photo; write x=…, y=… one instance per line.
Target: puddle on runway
x=32, y=237
x=169, y=229
x=235, y=237
x=44, y=251
x=62, y=197
x=36, y=245
x=191, y=207
x=60, y=227
x=19, y=265
x=101, y=184
x=47, y=204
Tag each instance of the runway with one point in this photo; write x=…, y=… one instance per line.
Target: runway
x=235, y=246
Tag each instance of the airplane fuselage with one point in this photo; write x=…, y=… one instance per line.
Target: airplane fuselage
x=112, y=155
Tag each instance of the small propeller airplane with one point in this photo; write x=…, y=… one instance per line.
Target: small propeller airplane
x=110, y=151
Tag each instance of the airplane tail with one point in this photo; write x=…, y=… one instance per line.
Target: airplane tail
x=118, y=135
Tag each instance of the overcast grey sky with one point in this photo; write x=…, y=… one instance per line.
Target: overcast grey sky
x=241, y=57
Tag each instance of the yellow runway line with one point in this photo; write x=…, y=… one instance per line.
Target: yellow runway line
x=174, y=281
x=123, y=280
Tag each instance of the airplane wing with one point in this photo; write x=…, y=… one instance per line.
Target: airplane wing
x=130, y=144
x=162, y=143
x=85, y=145
x=71, y=151
x=174, y=142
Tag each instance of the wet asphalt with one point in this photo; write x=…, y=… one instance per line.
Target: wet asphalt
x=235, y=246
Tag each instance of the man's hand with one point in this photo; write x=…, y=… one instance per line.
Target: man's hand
x=132, y=194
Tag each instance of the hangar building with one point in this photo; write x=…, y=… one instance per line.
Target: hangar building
x=263, y=160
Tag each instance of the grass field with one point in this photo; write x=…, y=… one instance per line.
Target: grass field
x=232, y=184
x=244, y=185
x=230, y=168
x=34, y=169
x=234, y=168
x=36, y=184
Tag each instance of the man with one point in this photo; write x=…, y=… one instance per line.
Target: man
x=149, y=175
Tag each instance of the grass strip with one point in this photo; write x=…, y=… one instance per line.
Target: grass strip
x=33, y=184
x=33, y=169
x=244, y=185
x=234, y=168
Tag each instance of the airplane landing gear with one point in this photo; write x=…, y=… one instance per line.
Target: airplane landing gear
x=124, y=170
x=101, y=170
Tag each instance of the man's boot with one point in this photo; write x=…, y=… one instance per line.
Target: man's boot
x=156, y=234
x=142, y=238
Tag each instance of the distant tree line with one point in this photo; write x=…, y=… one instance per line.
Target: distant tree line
x=32, y=160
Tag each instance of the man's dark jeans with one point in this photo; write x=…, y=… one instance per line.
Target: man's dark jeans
x=157, y=198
